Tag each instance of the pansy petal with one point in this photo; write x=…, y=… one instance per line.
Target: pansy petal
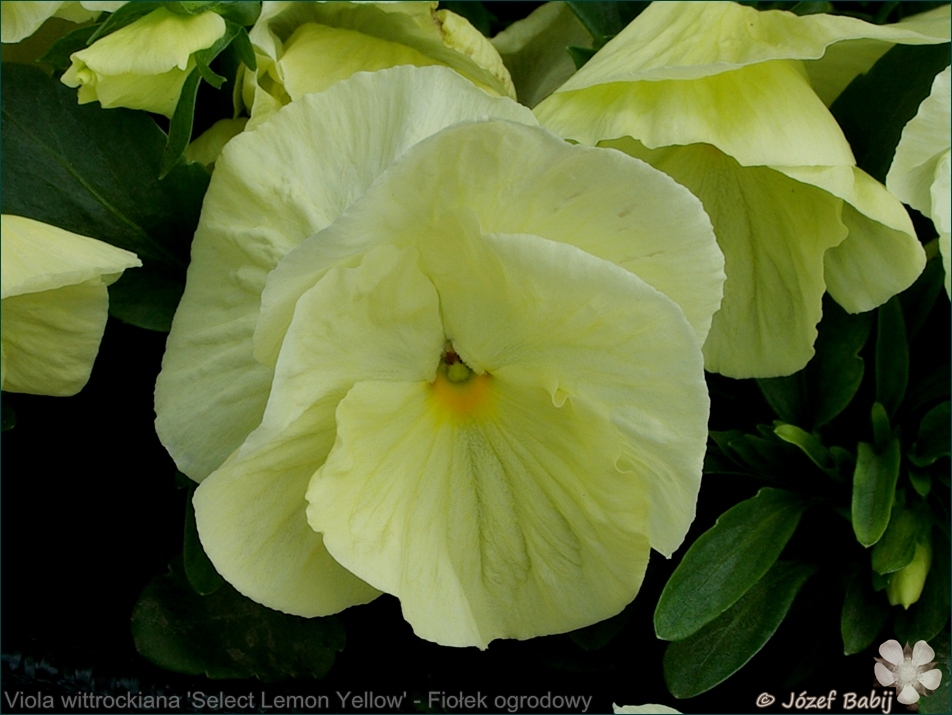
x=515, y=306
x=533, y=50
x=153, y=44
x=687, y=40
x=762, y=114
x=924, y=141
x=312, y=160
x=51, y=338
x=489, y=529
x=922, y=653
x=908, y=696
x=884, y=675
x=379, y=320
x=892, y=652
x=22, y=19
x=251, y=520
x=774, y=233
x=881, y=255
x=520, y=180
x=931, y=678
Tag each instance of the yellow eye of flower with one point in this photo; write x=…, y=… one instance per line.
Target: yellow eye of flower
x=459, y=391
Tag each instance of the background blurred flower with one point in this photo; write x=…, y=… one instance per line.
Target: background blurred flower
x=487, y=383
x=143, y=65
x=22, y=19
x=921, y=172
x=717, y=96
x=909, y=670
x=54, y=304
x=304, y=47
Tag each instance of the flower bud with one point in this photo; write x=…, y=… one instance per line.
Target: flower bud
x=906, y=585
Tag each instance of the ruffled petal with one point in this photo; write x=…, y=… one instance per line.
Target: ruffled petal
x=774, y=233
x=272, y=188
x=519, y=180
x=882, y=255
x=22, y=19
x=496, y=528
x=251, y=520
x=761, y=114
x=924, y=141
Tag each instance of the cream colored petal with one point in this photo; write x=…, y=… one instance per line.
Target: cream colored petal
x=891, y=651
x=537, y=313
x=38, y=257
x=273, y=187
x=762, y=114
x=417, y=27
x=153, y=44
x=252, y=524
x=942, y=214
x=317, y=56
x=154, y=93
x=774, y=232
x=516, y=526
x=379, y=320
x=687, y=40
x=922, y=653
x=51, y=338
x=924, y=141
x=78, y=12
x=22, y=19
x=882, y=255
x=516, y=179
x=647, y=709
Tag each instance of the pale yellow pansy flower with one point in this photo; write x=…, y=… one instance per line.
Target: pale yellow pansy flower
x=303, y=47
x=428, y=348
x=54, y=302
x=534, y=50
x=143, y=65
x=921, y=171
x=21, y=19
x=718, y=95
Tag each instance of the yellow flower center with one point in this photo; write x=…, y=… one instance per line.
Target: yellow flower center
x=457, y=390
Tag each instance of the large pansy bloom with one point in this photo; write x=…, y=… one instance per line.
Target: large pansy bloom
x=719, y=96
x=921, y=171
x=55, y=304
x=428, y=348
x=304, y=47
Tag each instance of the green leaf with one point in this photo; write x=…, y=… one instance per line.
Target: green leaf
x=246, y=52
x=816, y=394
x=225, y=635
x=882, y=429
x=604, y=20
x=199, y=571
x=930, y=614
x=811, y=8
x=864, y=614
x=809, y=444
x=876, y=106
x=933, y=439
x=922, y=483
x=898, y=545
x=580, y=55
x=180, y=128
x=726, y=561
x=241, y=13
x=59, y=54
x=874, y=489
x=717, y=651
x=95, y=172
x=125, y=15
x=892, y=356
x=918, y=299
